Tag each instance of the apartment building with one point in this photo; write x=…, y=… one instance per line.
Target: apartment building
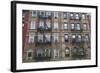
x=56, y=35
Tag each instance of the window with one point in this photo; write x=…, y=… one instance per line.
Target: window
x=77, y=16
x=81, y=51
x=72, y=26
x=33, y=25
x=41, y=24
x=65, y=15
x=48, y=13
x=55, y=53
x=83, y=16
x=48, y=24
x=65, y=26
x=23, y=25
x=42, y=13
x=29, y=54
x=55, y=25
x=79, y=37
x=34, y=13
x=31, y=38
x=43, y=52
x=40, y=37
x=67, y=52
x=78, y=26
x=86, y=37
x=55, y=15
x=71, y=15
x=66, y=37
x=55, y=36
x=85, y=26
x=47, y=38
x=39, y=52
x=46, y=52
x=74, y=51
x=73, y=36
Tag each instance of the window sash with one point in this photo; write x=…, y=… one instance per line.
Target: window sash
x=55, y=25
x=31, y=38
x=72, y=26
x=33, y=24
x=65, y=26
x=78, y=26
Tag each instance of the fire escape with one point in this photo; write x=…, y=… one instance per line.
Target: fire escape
x=43, y=40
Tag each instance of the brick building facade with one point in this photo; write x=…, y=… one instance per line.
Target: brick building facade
x=55, y=35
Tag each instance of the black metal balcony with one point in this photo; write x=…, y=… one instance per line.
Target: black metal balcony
x=66, y=40
x=43, y=56
x=44, y=29
x=76, y=30
x=78, y=53
x=45, y=16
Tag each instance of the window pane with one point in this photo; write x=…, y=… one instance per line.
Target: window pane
x=33, y=25
x=29, y=54
x=41, y=24
x=40, y=38
x=47, y=36
x=55, y=25
x=65, y=26
x=71, y=15
x=73, y=36
x=55, y=37
x=31, y=38
x=65, y=15
x=34, y=13
x=84, y=26
x=78, y=27
x=72, y=26
x=77, y=16
x=55, y=14
x=83, y=16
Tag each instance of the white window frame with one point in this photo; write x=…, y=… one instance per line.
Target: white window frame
x=28, y=51
x=33, y=25
x=77, y=16
x=48, y=13
x=67, y=51
x=72, y=26
x=56, y=37
x=48, y=24
x=65, y=26
x=41, y=23
x=66, y=36
x=42, y=12
x=83, y=16
x=73, y=36
x=34, y=15
x=40, y=37
x=56, y=14
x=64, y=15
x=47, y=36
x=79, y=37
x=85, y=26
x=72, y=15
x=78, y=26
x=56, y=26
x=55, y=53
x=31, y=37
x=86, y=37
